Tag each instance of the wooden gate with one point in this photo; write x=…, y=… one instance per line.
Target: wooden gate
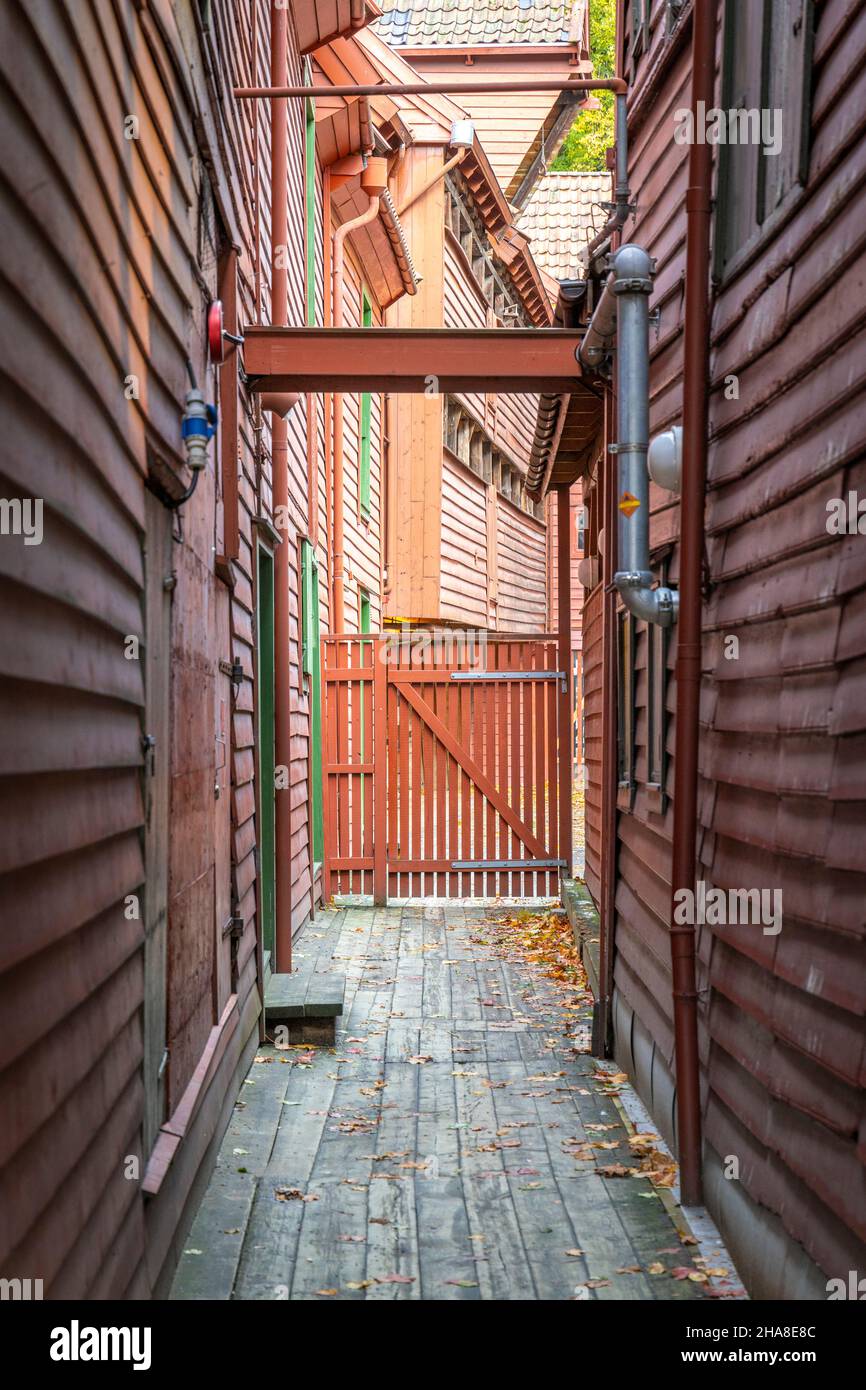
x=440, y=765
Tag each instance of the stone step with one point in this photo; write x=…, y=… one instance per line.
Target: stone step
x=307, y=1003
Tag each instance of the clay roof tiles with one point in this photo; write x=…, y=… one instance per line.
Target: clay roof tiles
x=453, y=23
x=562, y=216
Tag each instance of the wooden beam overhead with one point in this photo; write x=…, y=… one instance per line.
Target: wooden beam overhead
x=408, y=360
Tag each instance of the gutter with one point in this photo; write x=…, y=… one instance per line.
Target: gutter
x=696, y=370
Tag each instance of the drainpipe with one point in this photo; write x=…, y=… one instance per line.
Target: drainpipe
x=280, y=464
x=374, y=181
x=696, y=358
x=621, y=204
x=623, y=312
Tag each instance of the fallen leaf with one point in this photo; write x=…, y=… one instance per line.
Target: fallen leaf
x=574, y=1254
x=326, y=1293
x=394, y=1279
x=419, y=1061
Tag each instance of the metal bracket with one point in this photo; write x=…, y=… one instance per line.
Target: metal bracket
x=507, y=675
x=527, y=864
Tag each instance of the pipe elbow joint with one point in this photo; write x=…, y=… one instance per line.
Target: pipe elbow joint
x=659, y=606
x=633, y=269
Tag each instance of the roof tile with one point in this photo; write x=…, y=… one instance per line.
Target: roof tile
x=458, y=23
x=562, y=216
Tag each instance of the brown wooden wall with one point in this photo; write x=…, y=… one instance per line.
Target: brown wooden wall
x=112, y=250
x=782, y=726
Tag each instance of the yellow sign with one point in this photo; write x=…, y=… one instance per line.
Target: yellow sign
x=628, y=504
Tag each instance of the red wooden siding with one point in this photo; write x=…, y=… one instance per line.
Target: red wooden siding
x=464, y=566
x=782, y=726
x=522, y=570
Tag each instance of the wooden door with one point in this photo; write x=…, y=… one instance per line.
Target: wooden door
x=157, y=770
x=222, y=824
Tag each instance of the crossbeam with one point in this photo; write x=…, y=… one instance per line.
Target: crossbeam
x=407, y=360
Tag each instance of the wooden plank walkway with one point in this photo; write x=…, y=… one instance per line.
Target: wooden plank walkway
x=442, y=1149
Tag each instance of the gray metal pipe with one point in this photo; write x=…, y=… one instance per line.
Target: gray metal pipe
x=599, y=337
x=630, y=286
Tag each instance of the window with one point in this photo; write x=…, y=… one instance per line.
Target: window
x=366, y=422
x=364, y=611
x=581, y=530
x=310, y=208
x=766, y=80
x=639, y=27
x=312, y=671
x=657, y=656
x=625, y=706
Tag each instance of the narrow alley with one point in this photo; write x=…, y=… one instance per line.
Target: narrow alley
x=457, y=1143
x=432, y=670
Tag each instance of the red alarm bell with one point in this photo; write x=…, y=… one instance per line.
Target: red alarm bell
x=215, y=339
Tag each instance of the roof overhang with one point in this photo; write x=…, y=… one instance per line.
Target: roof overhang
x=412, y=360
x=319, y=21
x=380, y=246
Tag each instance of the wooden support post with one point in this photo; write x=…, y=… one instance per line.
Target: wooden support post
x=566, y=741
x=380, y=773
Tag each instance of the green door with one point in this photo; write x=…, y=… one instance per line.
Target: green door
x=267, y=865
x=312, y=668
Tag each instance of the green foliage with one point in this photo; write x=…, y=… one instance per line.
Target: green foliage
x=593, y=131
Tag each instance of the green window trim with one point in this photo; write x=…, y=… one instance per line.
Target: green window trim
x=310, y=208
x=366, y=422
x=312, y=669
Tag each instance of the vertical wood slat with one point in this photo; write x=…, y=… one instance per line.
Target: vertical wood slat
x=539, y=695
x=369, y=751
x=379, y=787
x=389, y=757
x=491, y=693
x=329, y=752
x=452, y=717
x=553, y=801
x=342, y=781
x=507, y=836
x=356, y=878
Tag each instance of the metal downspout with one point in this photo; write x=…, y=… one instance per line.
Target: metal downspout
x=280, y=465
x=622, y=314
x=696, y=354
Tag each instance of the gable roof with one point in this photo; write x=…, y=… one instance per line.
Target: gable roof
x=431, y=23
x=561, y=217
